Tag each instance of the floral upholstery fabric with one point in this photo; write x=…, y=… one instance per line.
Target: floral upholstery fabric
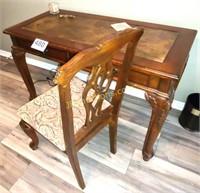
x=43, y=113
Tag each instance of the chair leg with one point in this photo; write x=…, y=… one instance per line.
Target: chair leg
x=113, y=136
x=30, y=131
x=73, y=158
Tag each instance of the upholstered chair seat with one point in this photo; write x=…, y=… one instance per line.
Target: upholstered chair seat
x=43, y=113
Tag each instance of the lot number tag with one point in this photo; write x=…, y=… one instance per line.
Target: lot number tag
x=120, y=26
x=39, y=44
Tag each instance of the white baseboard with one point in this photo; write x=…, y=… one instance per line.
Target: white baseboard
x=129, y=90
x=30, y=61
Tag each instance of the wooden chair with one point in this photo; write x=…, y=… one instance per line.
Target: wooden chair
x=72, y=112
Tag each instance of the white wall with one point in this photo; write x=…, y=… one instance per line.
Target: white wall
x=182, y=13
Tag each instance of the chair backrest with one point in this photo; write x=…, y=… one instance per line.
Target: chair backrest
x=99, y=60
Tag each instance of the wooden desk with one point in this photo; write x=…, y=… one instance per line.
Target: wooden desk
x=160, y=60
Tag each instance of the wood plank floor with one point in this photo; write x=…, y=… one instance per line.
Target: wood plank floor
x=175, y=167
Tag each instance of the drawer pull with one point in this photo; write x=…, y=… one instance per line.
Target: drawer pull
x=45, y=51
x=115, y=70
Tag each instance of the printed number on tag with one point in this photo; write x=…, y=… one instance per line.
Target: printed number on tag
x=39, y=44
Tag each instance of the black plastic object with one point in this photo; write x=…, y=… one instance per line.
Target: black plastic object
x=189, y=117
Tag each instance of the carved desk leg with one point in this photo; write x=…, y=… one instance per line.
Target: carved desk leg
x=20, y=61
x=160, y=110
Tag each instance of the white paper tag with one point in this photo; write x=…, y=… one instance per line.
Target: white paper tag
x=120, y=26
x=39, y=44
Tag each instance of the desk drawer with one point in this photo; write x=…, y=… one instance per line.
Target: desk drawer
x=148, y=82
x=55, y=54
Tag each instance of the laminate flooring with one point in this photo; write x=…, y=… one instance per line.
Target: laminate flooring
x=174, y=168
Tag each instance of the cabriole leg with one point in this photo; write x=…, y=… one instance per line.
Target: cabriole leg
x=30, y=131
